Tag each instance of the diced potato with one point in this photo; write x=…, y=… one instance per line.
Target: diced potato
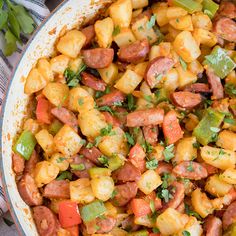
x=103, y=187
x=142, y=31
x=45, y=140
x=229, y=176
x=44, y=173
x=60, y=161
x=91, y=122
x=75, y=64
x=149, y=181
x=175, y=12
x=109, y=74
x=139, y=3
x=111, y=210
x=34, y=82
x=185, y=150
x=157, y=153
x=31, y=125
x=204, y=37
x=220, y=158
x=116, y=161
x=80, y=100
x=193, y=227
x=191, y=122
x=195, y=67
x=71, y=43
x=201, y=20
x=59, y=63
x=171, y=80
x=121, y=12
x=145, y=89
x=56, y=93
x=118, y=232
x=96, y=172
x=161, y=14
x=63, y=232
x=171, y=221
x=143, y=104
x=125, y=37
x=201, y=203
x=81, y=191
x=128, y=82
x=115, y=143
x=135, y=13
x=185, y=77
x=67, y=141
x=227, y=140
x=216, y=186
x=141, y=68
x=186, y=46
x=155, y=51
x=104, y=29
x=172, y=33
x=145, y=220
x=44, y=69
x=182, y=23
x=163, y=49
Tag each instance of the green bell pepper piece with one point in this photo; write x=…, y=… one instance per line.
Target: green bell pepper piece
x=25, y=144
x=139, y=233
x=220, y=62
x=210, y=8
x=92, y=210
x=190, y=6
x=96, y=172
x=204, y=132
x=231, y=231
x=115, y=162
x=55, y=127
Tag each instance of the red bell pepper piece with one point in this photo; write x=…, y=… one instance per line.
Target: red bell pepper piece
x=43, y=111
x=140, y=207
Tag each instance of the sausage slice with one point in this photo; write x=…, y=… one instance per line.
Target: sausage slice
x=93, y=82
x=18, y=163
x=198, y=88
x=110, y=98
x=150, y=133
x=227, y=9
x=92, y=154
x=229, y=215
x=213, y=226
x=89, y=33
x=105, y=225
x=31, y=163
x=98, y=58
x=57, y=189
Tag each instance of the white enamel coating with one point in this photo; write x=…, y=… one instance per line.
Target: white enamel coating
x=70, y=14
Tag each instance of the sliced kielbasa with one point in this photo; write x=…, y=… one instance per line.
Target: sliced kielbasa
x=190, y=170
x=46, y=222
x=110, y=119
x=105, y=225
x=31, y=163
x=227, y=9
x=128, y=172
x=124, y=193
x=57, y=189
x=229, y=216
x=91, y=153
x=89, y=33
x=213, y=226
x=128, y=224
x=215, y=83
x=29, y=191
x=185, y=99
x=153, y=116
x=93, y=82
x=225, y=28
x=150, y=133
x=111, y=98
x=134, y=52
x=66, y=116
x=164, y=167
x=210, y=169
x=18, y=163
x=157, y=67
x=98, y=58
x=198, y=88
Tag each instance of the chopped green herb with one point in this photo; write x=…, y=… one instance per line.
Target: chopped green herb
x=151, y=22
x=106, y=108
x=186, y=233
x=97, y=140
x=177, y=20
x=166, y=195
x=81, y=101
x=80, y=166
x=106, y=131
x=222, y=152
x=230, y=121
x=165, y=180
x=103, y=160
x=147, y=147
x=215, y=129
x=168, y=152
x=131, y=102
x=61, y=159
x=96, y=227
x=152, y=206
x=140, y=28
x=129, y=138
x=89, y=145
x=230, y=89
x=155, y=230
x=118, y=104
x=158, y=77
x=82, y=141
x=191, y=212
x=148, y=98
x=152, y=164
x=183, y=63
x=190, y=167
x=65, y=175
x=196, y=145
x=114, y=193
x=116, y=30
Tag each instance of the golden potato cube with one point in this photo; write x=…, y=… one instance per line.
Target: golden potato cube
x=185, y=77
x=195, y=67
x=67, y=141
x=109, y=74
x=34, y=82
x=161, y=14
x=118, y=232
x=171, y=80
x=136, y=12
x=229, y=176
x=204, y=37
x=44, y=173
x=31, y=125
x=114, y=143
x=44, y=68
x=111, y=210
x=201, y=21
x=91, y=122
x=45, y=140
x=59, y=63
x=218, y=157
x=175, y=12
x=227, y=140
x=139, y=3
x=81, y=191
x=121, y=12
x=155, y=51
x=80, y=100
x=128, y=82
x=193, y=226
x=186, y=46
x=124, y=37
x=75, y=64
x=56, y=93
x=140, y=68
x=60, y=160
x=182, y=23
x=71, y=43
x=149, y=181
x=157, y=153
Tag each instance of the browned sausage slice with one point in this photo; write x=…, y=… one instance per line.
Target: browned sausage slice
x=89, y=33
x=98, y=58
x=128, y=172
x=215, y=83
x=91, y=153
x=129, y=225
x=31, y=163
x=186, y=99
x=110, y=119
x=164, y=167
x=157, y=67
x=213, y=226
x=66, y=116
x=190, y=170
x=57, y=189
x=198, y=88
x=46, y=222
x=93, y=82
x=227, y=9
x=110, y=98
x=210, y=169
x=125, y=192
x=134, y=52
x=153, y=116
x=28, y=191
x=225, y=28
x=229, y=216
x=150, y=133
x=105, y=225
x=18, y=163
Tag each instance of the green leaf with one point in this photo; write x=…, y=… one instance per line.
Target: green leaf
x=147, y=147
x=89, y=145
x=155, y=230
x=152, y=206
x=61, y=159
x=15, y=27
x=116, y=30
x=131, y=102
x=165, y=180
x=152, y=164
x=215, y=129
x=151, y=22
x=80, y=166
x=168, y=152
x=196, y=145
x=166, y=195
x=114, y=193
x=129, y=138
x=230, y=89
x=80, y=101
x=10, y=43
x=186, y=233
x=190, y=167
x=148, y=98
x=106, y=131
x=3, y=18
x=65, y=175
x=230, y=121
x=106, y=108
x=103, y=160
x=183, y=63
x=1, y=4
x=191, y=212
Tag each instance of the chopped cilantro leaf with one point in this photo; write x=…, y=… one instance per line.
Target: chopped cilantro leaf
x=190, y=167
x=61, y=159
x=166, y=195
x=116, y=30
x=191, y=212
x=131, y=102
x=151, y=22
x=186, y=233
x=152, y=164
x=80, y=166
x=152, y=206
x=114, y=193
x=103, y=160
x=196, y=145
x=168, y=152
x=65, y=175
x=106, y=108
x=129, y=138
x=183, y=63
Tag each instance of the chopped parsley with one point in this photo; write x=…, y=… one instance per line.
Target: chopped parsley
x=230, y=121
x=147, y=147
x=80, y=166
x=99, y=94
x=89, y=145
x=107, y=131
x=186, y=233
x=114, y=193
x=116, y=30
x=152, y=206
x=106, y=108
x=148, y=98
x=151, y=22
x=230, y=89
x=155, y=230
x=166, y=195
x=130, y=138
x=168, y=152
x=81, y=101
x=103, y=160
x=196, y=145
x=65, y=175
x=190, y=167
x=165, y=180
x=152, y=164
x=191, y=212
x=158, y=77
x=130, y=102
x=183, y=63
x=61, y=159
